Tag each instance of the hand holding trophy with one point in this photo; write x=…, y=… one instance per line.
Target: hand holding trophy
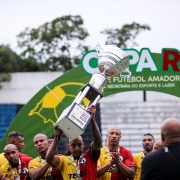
x=112, y=61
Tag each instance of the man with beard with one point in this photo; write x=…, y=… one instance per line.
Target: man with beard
x=147, y=143
x=17, y=167
x=115, y=162
x=78, y=165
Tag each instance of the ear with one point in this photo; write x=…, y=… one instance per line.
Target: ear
x=83, y=144
x=68, y=145
x=162, y=138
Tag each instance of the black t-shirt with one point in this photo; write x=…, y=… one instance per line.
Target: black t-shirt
x=161, y=165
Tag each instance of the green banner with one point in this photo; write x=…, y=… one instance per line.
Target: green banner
x=150, y=71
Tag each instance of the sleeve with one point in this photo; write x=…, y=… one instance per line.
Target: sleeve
x=99, y=163
x=94, y=155
x=4, y=169
x=129, y=161
x=61, y=164
x=33, y=165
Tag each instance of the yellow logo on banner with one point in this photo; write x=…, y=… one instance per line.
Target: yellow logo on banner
x=52, y=99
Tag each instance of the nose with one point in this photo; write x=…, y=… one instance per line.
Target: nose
x=11, y=155
x=76, y=147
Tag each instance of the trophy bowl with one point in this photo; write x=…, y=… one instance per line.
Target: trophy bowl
x=112, y=60
x=99, y=81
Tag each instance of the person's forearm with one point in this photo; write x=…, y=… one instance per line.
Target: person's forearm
x=127, y=171
x=51, y=151
x=96, y=134
x=101, y=170
x=39, y=173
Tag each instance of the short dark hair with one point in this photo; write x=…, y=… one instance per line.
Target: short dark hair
x=14, y=134
x=148, y=134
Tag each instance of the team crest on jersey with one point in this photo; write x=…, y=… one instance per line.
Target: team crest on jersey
x=24, y=170
x=120, y=158
x=82, y=160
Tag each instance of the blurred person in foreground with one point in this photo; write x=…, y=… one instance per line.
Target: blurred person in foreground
x=164, y=164
x=78, y=165
x=39, y=169
x=147, y=144
x=115, y=162
x=17, y=167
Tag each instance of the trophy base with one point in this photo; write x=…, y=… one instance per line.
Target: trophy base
x=73, y=121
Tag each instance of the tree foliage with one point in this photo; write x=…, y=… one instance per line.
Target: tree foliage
x=11, y=62
x=57, y=44
x=125, y=36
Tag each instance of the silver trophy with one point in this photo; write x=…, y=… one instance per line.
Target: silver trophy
x=112, y=61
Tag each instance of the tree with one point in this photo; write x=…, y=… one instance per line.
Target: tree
x=11, y=62
x=57, y=44
x=8, y=63
x=125, y=36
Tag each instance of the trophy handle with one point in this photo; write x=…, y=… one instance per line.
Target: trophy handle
x=126, y=75
x=98, y=49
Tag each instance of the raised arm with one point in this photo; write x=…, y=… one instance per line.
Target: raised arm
x=51, y=158
x=96, y=144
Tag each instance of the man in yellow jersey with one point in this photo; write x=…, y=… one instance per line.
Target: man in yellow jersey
x=78, y=166
x=115, y=162
x=38, y=167
x=17, y=139
x=147, y=144
x=17, y=167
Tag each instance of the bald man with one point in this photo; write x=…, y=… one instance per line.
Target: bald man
x=78, y=165
x=157, y=145
x=39, y=169
x=17, y=167
x=17, y=139
x=164, y=164
x=115, y=161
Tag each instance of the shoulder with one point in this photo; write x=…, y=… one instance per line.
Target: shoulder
x=26, y=159
x=1, y=154
x=125, y=150
x=104, y=148
x=35, y=160
x=23, y=155
x=154, y=156
x=4, y=168
x=2, y=159
x=138, y=155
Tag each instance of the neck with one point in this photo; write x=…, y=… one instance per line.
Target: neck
x=15, y=165
x=43, y=155
x=170, y=141
x=113, y=148
x=146, y=152
x=76, y=157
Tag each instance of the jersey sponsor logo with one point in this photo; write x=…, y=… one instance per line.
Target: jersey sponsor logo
x=74, y=176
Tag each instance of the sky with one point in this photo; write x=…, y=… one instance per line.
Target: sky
x=161, y=15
